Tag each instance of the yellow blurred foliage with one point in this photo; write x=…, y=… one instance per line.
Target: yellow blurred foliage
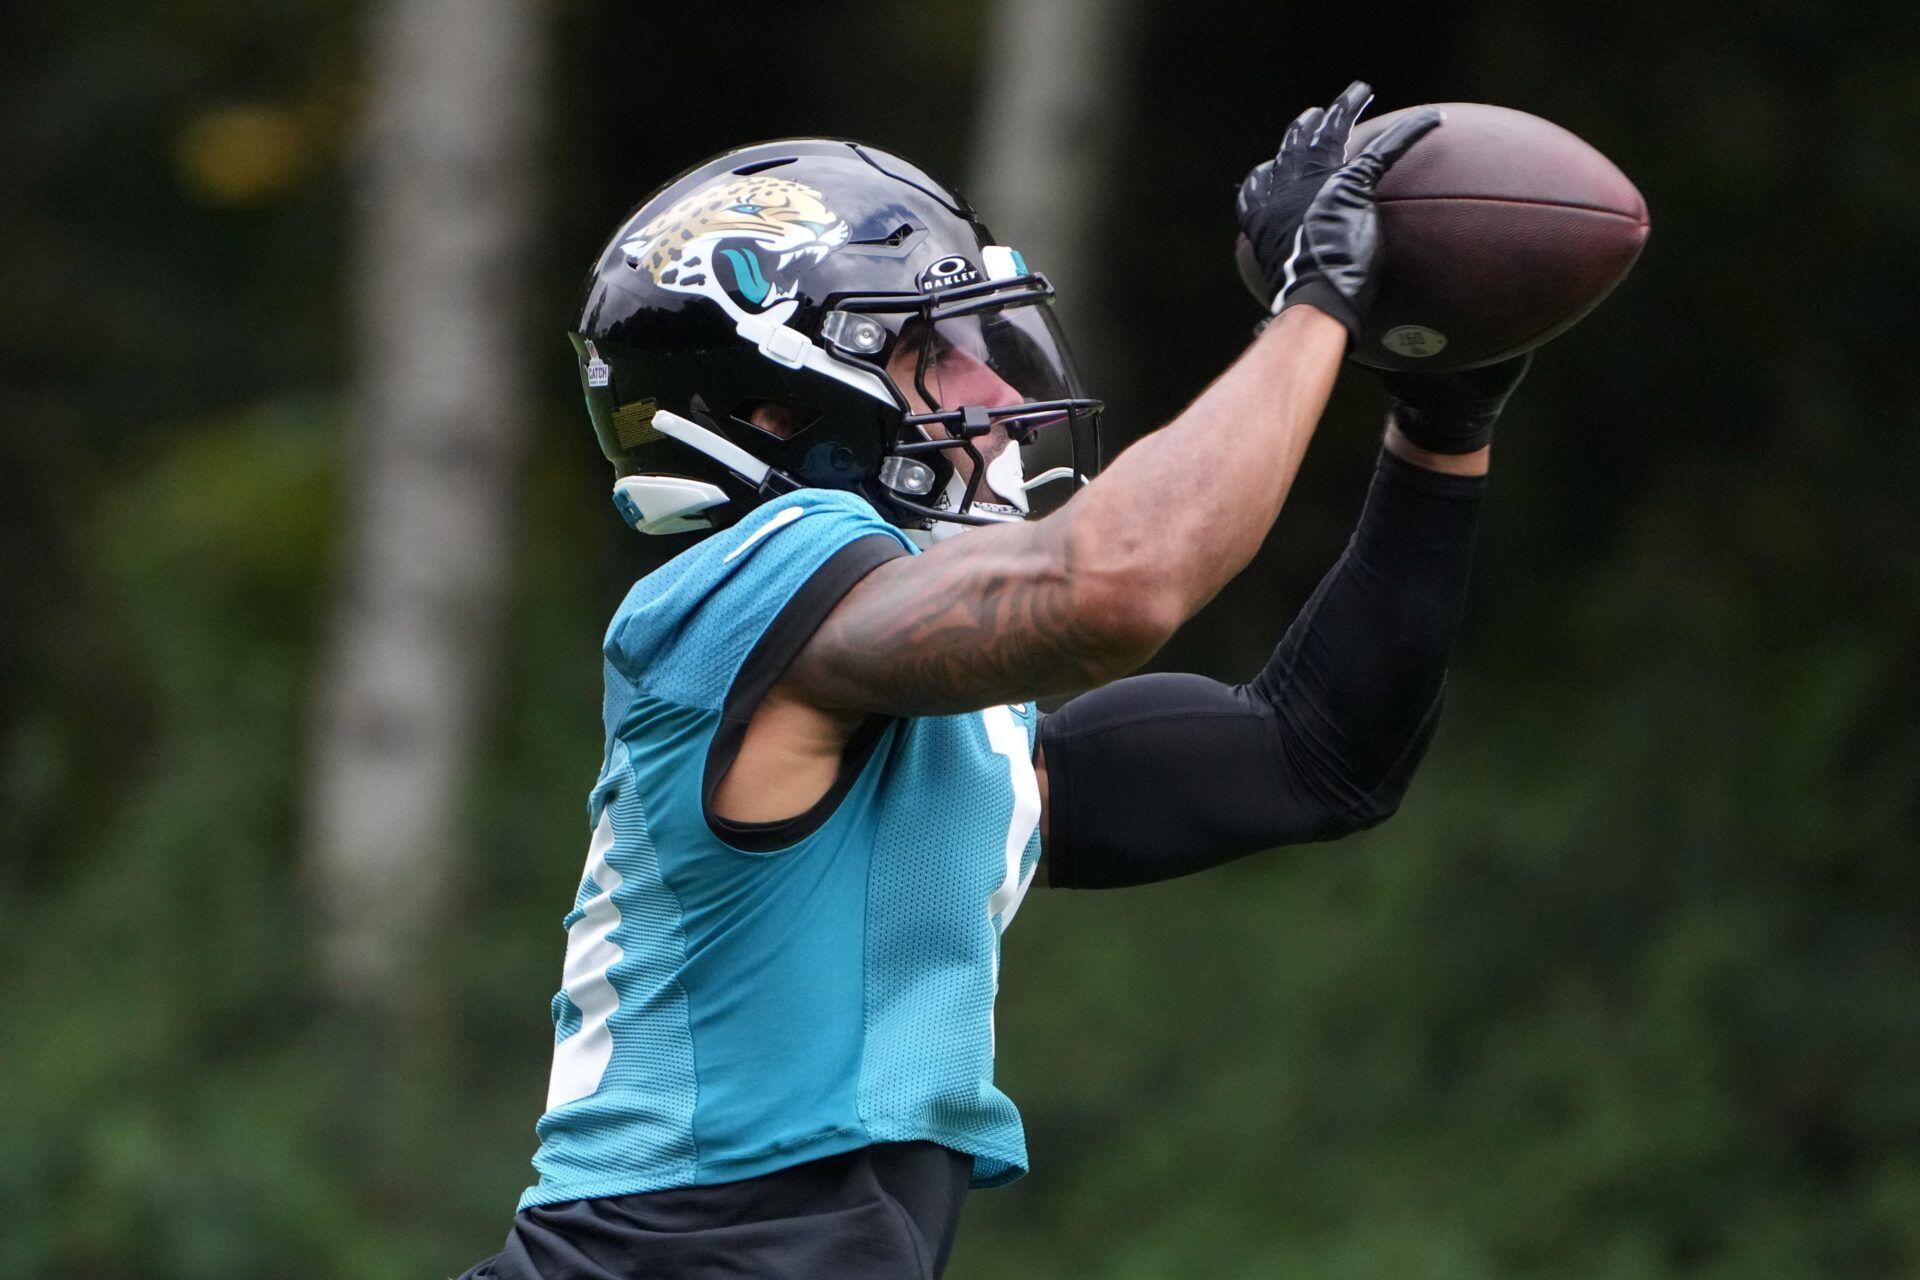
x=243, y=155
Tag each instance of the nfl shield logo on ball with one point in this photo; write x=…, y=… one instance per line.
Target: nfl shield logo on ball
x=1415, y=341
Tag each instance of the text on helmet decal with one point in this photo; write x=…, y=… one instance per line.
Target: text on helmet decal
x=949, y=271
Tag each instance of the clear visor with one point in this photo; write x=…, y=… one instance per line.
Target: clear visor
x=993, y=380
x=1000, y=358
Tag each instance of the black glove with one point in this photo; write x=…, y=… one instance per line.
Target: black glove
x=1452, y=412
x=1333, y=264
x=1275, y=195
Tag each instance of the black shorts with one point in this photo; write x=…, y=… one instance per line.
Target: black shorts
x=886, y=1212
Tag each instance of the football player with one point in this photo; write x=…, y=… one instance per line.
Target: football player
x=826, y=789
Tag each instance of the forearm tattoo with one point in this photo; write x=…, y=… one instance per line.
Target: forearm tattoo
x=991, y=617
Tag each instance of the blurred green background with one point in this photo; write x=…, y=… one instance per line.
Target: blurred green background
x=1629, y=989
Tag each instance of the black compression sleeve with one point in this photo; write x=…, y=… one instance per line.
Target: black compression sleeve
x=1159, y=776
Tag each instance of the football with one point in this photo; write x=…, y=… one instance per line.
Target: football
x=1501, y=230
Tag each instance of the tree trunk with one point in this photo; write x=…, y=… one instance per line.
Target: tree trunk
x=446, y=192
x=1049, y=136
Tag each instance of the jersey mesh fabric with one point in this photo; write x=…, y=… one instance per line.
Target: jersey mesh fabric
x=775, y=1008
x=939, y=857
x=639, y=1123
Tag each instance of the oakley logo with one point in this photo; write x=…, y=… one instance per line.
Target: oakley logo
x=948, y=272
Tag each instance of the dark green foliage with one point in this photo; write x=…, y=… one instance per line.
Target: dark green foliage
x=1630, y=988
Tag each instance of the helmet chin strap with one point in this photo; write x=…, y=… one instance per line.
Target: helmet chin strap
x=1007, y=478
x=1006, y=483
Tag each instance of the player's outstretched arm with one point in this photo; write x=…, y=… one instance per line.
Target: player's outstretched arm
x=1164, y=775
x=1011, y=612
x=1090, y=593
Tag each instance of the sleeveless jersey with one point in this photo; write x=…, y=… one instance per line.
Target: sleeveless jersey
x=736, y=1000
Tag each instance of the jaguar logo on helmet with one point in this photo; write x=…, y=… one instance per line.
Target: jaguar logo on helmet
x=741, y=242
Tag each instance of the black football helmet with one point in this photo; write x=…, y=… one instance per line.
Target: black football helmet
x=844, y=282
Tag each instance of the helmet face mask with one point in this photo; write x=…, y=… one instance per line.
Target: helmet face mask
x=920, y=360
x=983, y=373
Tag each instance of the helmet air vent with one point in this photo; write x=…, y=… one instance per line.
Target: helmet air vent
x=761, y=166
x=892, y=240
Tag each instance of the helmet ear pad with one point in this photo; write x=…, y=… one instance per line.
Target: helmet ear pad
x=667, y=504
x=840, y=436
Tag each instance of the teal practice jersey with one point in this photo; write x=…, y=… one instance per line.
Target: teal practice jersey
x=737, y=999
